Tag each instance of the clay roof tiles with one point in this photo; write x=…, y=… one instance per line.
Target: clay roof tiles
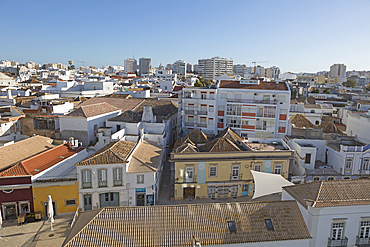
x=263, y=85
x=301, y=121
x=175, y=225
x=92, y=110
x=146, y=158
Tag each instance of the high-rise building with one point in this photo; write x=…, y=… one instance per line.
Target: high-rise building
x=338, y=70
x=130, y=65
x=189, y=68
x=179, y=67
x=145, y=65
x=214, y=67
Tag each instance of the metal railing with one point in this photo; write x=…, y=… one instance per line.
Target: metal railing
x=202, y=112
x=102, y=183
x=338, y=242
x=86, y=185
x=183, y=180
x=189, y=124
x=273, y=102
x=202, y=124
x=189, y=111
x=117, y=183
x=362, y=242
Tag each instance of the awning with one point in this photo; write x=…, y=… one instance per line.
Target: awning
x=267, y=183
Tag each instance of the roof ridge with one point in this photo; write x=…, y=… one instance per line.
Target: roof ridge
x=24, y=167
x=93, y=156
x=102, y=209
x=137, y=106
x=318, y=194
x=46, y=151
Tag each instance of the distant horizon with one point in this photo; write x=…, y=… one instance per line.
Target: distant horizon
x=296, y=36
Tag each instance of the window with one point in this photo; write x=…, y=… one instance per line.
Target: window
x=140, y=179
x=117, y=177
x=365, y=229
x=312, y=111
x=223, y=190
x=102, y=178
x=233, y=109
x=24, y=207
x=220, y=120
x=221, y=108
x=307, y=160
x=316, y=179
x=349, y=163
x=317, y=122
x=366, y=164
x=235, y=172
x=189, y=174
x=213, y=171
x=244, y=122
x=223, y=95
x=277, y=169
x=118, y=127
x=203, y=95
x=233, y=122
x=231, y=225
x=330, y=178
x=337, y=231
x=70, y=202
x=86, y=179
x=266, y=98
x=269, y=224
x=211, y=108
x=257, y=168
x=210, y=121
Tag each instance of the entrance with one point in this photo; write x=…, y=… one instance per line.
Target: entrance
x=46, y=209
x=140, y=198
x=109, y=199
x=189, y=192
x=10, y=211
x=87, y=202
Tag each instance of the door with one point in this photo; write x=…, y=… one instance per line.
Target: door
x=140, y=199
x=189, y=174
x=46, y=209
x=109, y=199
x=189, y=192
x=235, y=173
x=337, y=231
x=234, y=190
x=10, y=211
x=87, y=202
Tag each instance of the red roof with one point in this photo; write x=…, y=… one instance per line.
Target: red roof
x=263, y=85
x=177, y=88
x=41, y=162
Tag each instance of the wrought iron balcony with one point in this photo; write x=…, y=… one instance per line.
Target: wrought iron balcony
x=362, y=242
x=202, y=124
x=338, y=242
x=189, y=111
x=202, y=112
x=102, y=183
x=86, y=185
x=189, y=123
x=117, y=183
x=183, y=180
x=273, y=102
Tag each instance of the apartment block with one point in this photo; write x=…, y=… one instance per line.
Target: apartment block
x=253, y=108
x=130, y=65
x=338, y=70
x=145, y=66
x=214, y=67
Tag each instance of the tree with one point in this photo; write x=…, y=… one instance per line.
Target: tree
x=326, y=91
x=315, y=90
x=350, y=83
x=205, y=82
x=198, y=84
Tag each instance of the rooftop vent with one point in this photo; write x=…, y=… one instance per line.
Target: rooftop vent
x=269, y=224
x=232, y=227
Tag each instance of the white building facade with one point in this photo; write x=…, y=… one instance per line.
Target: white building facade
x=214, y=67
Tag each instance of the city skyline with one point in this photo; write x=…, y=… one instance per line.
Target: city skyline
x=295, y=36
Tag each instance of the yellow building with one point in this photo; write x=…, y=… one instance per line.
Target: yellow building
x=221, y=167
x=64, y=193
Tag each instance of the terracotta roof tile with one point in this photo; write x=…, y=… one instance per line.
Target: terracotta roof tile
x=176, y=225
x=41, y=162
x=301, y=121
x=123, y=104
x=146, y=158
x=332, y=193
x=92, y=110
x=114, y=153
x=14, y=153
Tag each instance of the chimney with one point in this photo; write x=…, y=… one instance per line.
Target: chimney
x=147, y=114
x=9, y=94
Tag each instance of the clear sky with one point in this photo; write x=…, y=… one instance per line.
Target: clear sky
x=307, y=35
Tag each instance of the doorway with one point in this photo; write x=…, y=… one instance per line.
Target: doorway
x=189, y=192
x=10, y=211
x=46, y=209
x=109, y=199
x=140, y=198
x=87, y=202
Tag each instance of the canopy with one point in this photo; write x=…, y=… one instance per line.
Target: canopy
x=267, y=183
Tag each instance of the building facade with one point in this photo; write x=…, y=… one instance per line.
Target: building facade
x=214, y=67
x=130, y=65
x=145, y=66
x=338, y=70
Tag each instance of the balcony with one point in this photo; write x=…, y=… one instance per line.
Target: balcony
x=183, y=180
x=102, y=183
x=86, y=185
x=235, y=177
x=202, y=112
x=189, y=124
x=362, y=242
x=364, y=172
x=201, y=124
x=260, y=127
x=189, y=112
x=338, y=242
x=117, y=183
x=253, y=101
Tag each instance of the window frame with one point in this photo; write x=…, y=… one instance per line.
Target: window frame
x=366, y=232
x=215, y=172
x=280, y=167
x=101, y=182
x=138, y=181
x=20, y=206
x=366, y=164
x=305, y=158
x=349, y=163
x=332, y=230
x=257, y=165
x=85, y=181
x=114, y=176
x=66, y=205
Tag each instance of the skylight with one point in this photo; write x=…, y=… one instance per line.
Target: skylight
x=232, y=227
x=269, y=224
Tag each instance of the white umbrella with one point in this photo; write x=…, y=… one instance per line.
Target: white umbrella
x=1, y=222
x=50, y=211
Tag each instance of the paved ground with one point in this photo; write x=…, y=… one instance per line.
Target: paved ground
x=35, y=234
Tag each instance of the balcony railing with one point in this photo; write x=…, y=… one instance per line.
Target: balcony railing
x=260, y=127
x=202, y=124
x=117, y=183
x=202, y=112
x=86, y=185
x=183, y=180
x=362, y=242
x=189, y=124
x=189, y=111
x=338, y=242
x=252, y=101
x=364, y=172
x=102, y=183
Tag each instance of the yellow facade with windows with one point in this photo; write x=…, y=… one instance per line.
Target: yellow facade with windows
x=64, y=195
x=212, y=175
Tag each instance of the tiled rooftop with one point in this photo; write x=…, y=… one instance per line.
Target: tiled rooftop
x=264, y=85
x=332, y=193
x=146, y=158
x=14, y=153
x=92, y=110
x=114, y=153
x=123, y=104
x=176, y=225
x=41, y=162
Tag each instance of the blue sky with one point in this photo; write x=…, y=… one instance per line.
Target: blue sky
x=294, y=35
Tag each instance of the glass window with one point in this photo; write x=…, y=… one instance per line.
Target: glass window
x=102, y=177
x=140, y=179
x=277, y=169
x=24, y=207
x=211, y=108
x=213, y=171
x=234, y=109
x=235, y=172
x=366, y=165
x=365, y=229
x=348, y=163
x=70, y=202
x=210, y=121
x=337, y=231
x=86, y=179
x=307, y=160
x=257, y=168
x=223, y=190
x=117, y=177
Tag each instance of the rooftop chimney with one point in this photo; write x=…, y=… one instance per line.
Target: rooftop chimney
x=147, y=114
